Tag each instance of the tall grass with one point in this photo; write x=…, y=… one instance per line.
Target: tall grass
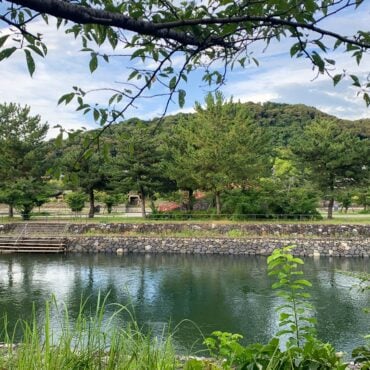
x=90, y=342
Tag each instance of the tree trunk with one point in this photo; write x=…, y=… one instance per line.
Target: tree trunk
x=11, y=211
x=218, y=203
x=143, y=213
x=191, y=200
x=92, y=203
x=330, y=208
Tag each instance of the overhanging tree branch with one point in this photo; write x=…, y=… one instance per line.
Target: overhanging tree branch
x=172, y=30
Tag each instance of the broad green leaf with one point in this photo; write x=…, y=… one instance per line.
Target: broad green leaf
x=66, y=98
x=30, y=62
x=303, y=282
x=93, y=63
x=6, y=53
x=356, y=81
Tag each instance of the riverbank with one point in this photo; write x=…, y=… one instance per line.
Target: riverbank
x=201, y=238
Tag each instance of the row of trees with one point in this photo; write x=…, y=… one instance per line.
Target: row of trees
x=221, y=149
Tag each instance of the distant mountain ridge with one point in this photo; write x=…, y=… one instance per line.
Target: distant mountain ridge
x=285, y=121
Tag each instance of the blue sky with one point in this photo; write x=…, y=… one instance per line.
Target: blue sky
x=278, y=78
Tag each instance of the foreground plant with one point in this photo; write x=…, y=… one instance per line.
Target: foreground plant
x=361, y=354
x=297, y=332
x=92, y=342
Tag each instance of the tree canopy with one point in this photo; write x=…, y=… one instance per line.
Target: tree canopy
x=335, y=158
x=23, y=159
x=215, y=36
x=218, y=148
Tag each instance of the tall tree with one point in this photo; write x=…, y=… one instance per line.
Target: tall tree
x=139, y=164
x=87, y=171
x=22, y=154
x=194, y=33
x=221, y=148
x=335, y=158
x=179, y=164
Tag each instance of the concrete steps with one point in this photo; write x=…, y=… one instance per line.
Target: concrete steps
x=31, y=245
x=35, y=237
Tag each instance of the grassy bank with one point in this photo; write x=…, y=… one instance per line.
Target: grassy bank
x=338, y=219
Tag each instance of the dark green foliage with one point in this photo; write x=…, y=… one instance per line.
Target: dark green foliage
x=267, y=201
x=139, y=164
x=85, y=169
x=217, y=147
x=111, y=200
x=22, y=158
x=284, y=123
x=76, y=201
x=333, y=158
x=361, y=357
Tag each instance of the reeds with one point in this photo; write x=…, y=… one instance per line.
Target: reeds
x=89, y=342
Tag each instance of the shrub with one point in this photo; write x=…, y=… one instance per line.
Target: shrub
x=76, y=201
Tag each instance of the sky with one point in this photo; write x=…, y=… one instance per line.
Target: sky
x=278, y=78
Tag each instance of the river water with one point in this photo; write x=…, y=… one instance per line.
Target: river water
x=227, y=293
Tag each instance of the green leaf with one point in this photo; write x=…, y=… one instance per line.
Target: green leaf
x=3, y=39
x=66, y=98
x=30, y=62
x=172, y=83
x=137, y=53
x=318, y=62
x=6, y=53
x=330, y=61
x=337, y=44
x=320, y=45
x=96, y=114
x=367, y=99
x=303, y=282
x=337, y=78
x=356, y=81
x=93, y=63
x=36, y=50
x=133, y=74
x=295, y=49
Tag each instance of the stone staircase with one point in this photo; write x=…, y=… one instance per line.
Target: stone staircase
x=35, y=238
x=37, y=229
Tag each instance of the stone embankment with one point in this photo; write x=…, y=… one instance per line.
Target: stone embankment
x=253, y=239
x=235, y=246
x=208, y=238
x=299, y=230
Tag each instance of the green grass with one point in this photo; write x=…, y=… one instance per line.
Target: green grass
x=339, y=218
x=92, y=342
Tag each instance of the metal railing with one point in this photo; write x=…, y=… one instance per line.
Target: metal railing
x=83, y=218
x=23, y=232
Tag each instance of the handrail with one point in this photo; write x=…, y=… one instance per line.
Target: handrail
x=20, y=235
x=63, y=234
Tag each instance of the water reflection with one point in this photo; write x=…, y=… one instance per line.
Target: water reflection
x=215, y=292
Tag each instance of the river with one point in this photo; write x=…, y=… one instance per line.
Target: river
x=228, y=293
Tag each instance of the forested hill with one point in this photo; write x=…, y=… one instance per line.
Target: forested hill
x=284, y=121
